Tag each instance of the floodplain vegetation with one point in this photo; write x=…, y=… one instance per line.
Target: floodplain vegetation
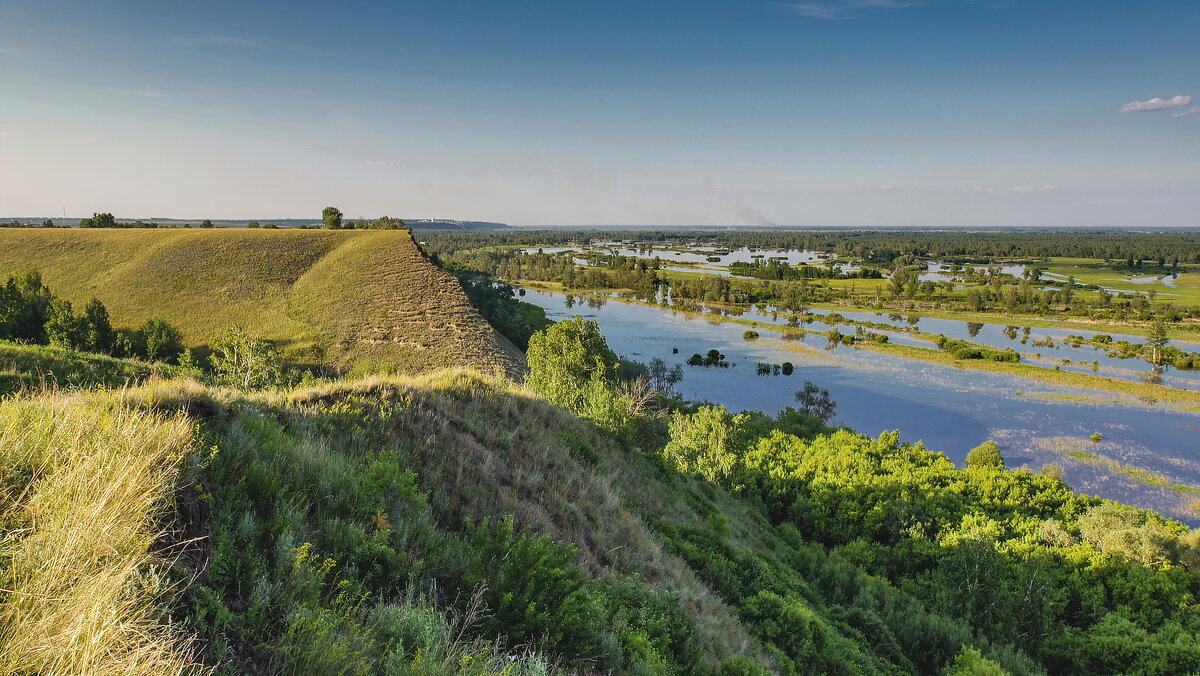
x=1139, y=284
x=583, y=521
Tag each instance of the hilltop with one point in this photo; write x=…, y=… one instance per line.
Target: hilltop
x=415, y=223
x=336, y=298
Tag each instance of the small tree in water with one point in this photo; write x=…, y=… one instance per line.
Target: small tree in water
x=664, y=378
x=815, y=400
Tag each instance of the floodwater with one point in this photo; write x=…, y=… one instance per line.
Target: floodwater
x=950, y=410
x=1041, y=346
x=698, y=256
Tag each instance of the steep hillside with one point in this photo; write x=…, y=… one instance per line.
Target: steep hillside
x=328, y=297
x=457, y=523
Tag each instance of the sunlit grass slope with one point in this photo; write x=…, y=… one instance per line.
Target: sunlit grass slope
x=328, y=297
x=83, y=483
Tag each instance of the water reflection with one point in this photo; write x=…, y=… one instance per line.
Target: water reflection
x=950, y=409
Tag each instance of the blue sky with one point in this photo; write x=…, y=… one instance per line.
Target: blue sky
x=816, y=112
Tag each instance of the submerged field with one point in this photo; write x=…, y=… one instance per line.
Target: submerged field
x=335, y=298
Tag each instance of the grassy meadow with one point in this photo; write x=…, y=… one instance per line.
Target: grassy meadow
x=340, y=298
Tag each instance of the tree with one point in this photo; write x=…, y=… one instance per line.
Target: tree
x=24, y=308
x=986, y=455
x=102, y=220
x=245, y=361
x=815, y=400
x=159, y=341
x=664, y=378
x=709, y=442
x=48, y=223
x=389, y=223
x=97, y=327
x=206, y=223
x=63, y=327
x=253, y=224
x=1156, y=343
x=332, y=218
x=971, y=662
x=569, y=359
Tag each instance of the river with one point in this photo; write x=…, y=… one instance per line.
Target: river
x=949, y=409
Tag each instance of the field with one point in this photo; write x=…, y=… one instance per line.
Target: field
x=1093, y=271
x=347, y=299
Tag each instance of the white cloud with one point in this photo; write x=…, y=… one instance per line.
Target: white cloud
x=87, y=140
x=885, y=187
x=148, y=93
x=1156, y=104
x=1027, y=189
x=214, y=40
x=848, y=9
x=1184, y=113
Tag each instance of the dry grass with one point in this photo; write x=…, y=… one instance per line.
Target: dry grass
x=328, y=297
x=82, y=487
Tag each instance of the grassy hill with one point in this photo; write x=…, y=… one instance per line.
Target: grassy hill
x=328, y=297
x=457, y=523
x=32, y=368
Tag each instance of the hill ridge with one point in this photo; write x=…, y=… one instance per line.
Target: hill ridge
x=336, y=298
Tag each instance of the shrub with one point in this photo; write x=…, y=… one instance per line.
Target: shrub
x=159, y=341
x=533, y=586
x=986, y=455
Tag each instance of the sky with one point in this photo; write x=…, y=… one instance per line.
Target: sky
x=648, y=112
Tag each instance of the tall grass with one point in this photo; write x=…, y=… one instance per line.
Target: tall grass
x=83, y=483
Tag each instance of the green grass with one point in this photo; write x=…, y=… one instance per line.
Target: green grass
x=36, y=367
x=1144, y=392
x=328, y=297
x=1093, y=271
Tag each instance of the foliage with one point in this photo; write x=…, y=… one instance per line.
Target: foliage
x=159, y=341
x=241, y=360
x=331, y=218
x=986, y=456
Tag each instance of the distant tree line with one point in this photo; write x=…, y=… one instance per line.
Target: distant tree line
x=880, y=246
